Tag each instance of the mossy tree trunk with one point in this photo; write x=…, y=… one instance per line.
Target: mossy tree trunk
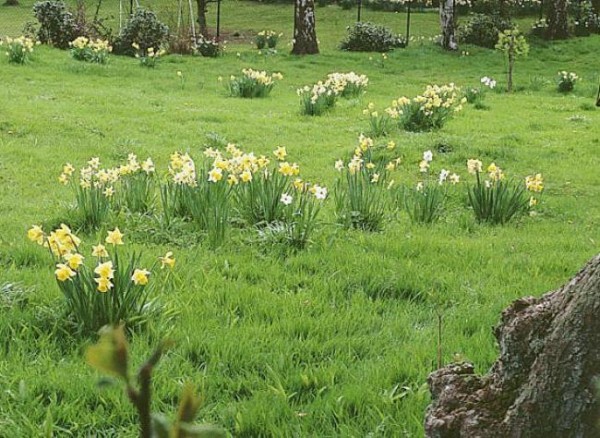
x=448, y=25
x=558, y=20
x=305, y=33
x=545, y=382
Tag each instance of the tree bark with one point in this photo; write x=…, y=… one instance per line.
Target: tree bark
x=447, y=22
x=202, y=9
x=545, y=382
x=558, y=20
x=305, y=34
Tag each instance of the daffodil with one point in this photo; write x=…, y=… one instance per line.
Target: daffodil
x=74, y=260
x=99, y=251
x=140, y=277
x=286, y=199
x=115, y=237
x=63, y=272
x=215, y=175
x=36, y=234
x=280, y=153
x=167, y=260
x=104, y=284
x=105, y=270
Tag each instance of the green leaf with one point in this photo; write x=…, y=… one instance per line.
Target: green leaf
x=201, y=431
x=160, y=426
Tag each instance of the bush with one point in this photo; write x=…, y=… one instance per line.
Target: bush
x=145, y=30
x=57, y=24
x=482, y=30
x=369, y=37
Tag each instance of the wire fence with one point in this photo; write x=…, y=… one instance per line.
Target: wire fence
x=230, y=20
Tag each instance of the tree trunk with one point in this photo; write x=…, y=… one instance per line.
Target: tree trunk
x=305, y=34
x=202, y=9
x=558, y=20
x=511, y=65
x=596, y=6
x=447, y=22
x=545, y=382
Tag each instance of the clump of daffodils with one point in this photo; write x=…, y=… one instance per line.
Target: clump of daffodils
x=90, y=50
x=496, y=199
x=252, y=83
x=379, y=121
x=267, y=38
x=566, y=81
x=318, y=98
x=148, y=57
x=18, y=50
x=428, y=111
x=361, y=190
x=348, y=84
x=113, y=288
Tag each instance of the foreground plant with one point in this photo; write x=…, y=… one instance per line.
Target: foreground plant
x=428, y=111
x=137, y=185
x=114, y=289
x=379, y=122
x=252, y=83
x=497, y=200
x=111, y=355
x=18, y=50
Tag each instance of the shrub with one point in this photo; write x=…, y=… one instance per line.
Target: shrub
x=369, y=37
x=208, y=47
x=117, y=290
x=252, y=83
x=482, y=30
x=144, y=29
x=429, y=111
x=57, y=24
x=18, y=50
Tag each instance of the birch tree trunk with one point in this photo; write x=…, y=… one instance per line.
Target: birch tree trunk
x=447, y=21
x=305, y=34
x=545, y=382
x=558, y=20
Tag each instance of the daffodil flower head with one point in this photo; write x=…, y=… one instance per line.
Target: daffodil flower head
x=115, y=237
x=140, y=277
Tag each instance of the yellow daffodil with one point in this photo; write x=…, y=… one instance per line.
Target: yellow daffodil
x=74, y=260
x=63, y=179
x=63, y=272
x=280, y=153
x=105, y=270
x=99, y=251
x=104, y=284
x=36, y=234
x=140, y=277
x=115, y=237
x=215, y=175
x=167, y=260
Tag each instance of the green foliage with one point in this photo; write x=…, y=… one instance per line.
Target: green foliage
x=425, y=203
x=369, y=37
x=144, y=29
x=317, y=99
x=566, y=81
x=483, y=29
x=57, y=24
x=111, y=355
x=267, y=38
x=18, y=50
x=94, y=51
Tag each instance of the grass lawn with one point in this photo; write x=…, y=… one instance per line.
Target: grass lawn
x=335, y=340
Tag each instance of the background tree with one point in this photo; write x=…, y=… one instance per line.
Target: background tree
x=558, y=20
x=448, y=23
x=202, y=10
x=305, y=34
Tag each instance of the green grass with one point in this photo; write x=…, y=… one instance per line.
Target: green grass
x=338, y=339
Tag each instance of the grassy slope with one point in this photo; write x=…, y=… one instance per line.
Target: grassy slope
x=327, y=342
